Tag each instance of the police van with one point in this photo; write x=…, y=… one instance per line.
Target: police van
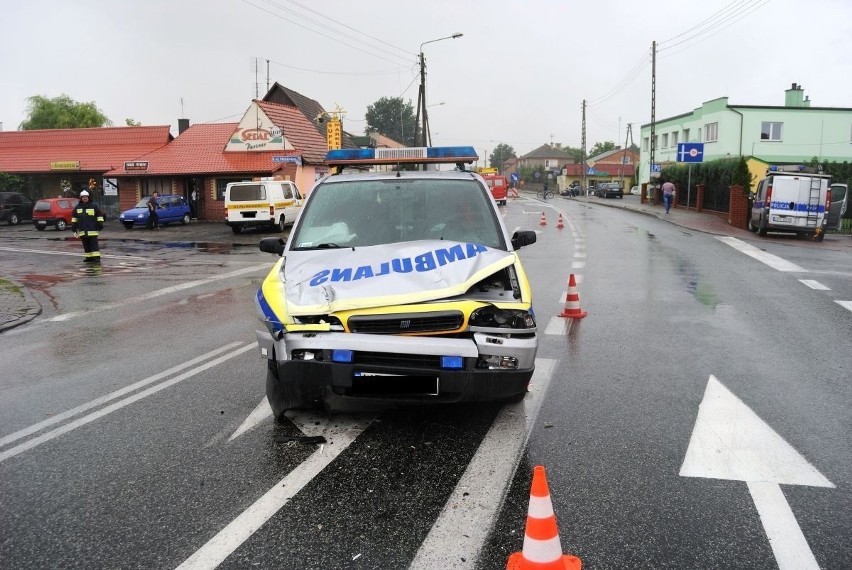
x=789, y=199
x=263, y=202
x=397, y=287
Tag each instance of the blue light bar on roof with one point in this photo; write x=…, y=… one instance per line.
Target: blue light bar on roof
x=405, y=155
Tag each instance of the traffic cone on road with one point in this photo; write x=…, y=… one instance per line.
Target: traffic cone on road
x=542, y=548
x=572, y=301
x=559, y=223
x=543, y=221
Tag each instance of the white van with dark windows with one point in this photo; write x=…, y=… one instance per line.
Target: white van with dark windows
x=263, y=202
x=791, y=201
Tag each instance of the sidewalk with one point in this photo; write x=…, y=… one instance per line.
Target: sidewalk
x=711, y=222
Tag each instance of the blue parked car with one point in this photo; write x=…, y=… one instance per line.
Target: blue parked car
x=172, y=208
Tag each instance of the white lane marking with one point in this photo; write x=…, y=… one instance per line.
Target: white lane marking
x=559, y=326
x=460, y=530
x=261, y=412
x=578, y=264
x=112, y=395
x=814, y=284
x=69, y=253
x=845, y=304
x=53, y=434
x=160, y=292
x=339, y=432
x=579, y=254
x=788, y=544
x=772, y=261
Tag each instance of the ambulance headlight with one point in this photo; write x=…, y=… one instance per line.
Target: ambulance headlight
x=494, y=317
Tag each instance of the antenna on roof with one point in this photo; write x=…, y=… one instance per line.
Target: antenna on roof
x=182, y=114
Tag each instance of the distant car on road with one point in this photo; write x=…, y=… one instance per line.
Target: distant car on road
x=173, y=208
x=15, y=207
x=636, y=191
x=610, y=190
x=56, y=212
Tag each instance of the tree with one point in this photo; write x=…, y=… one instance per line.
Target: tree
x=501, y=153
x=62, y=113
x=601, y=148
x=575, y=152
x=11, y=182
x=393, y=118
x=132, y=123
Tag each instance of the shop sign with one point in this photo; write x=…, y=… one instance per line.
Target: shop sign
x=65, y=165
x=136, y=165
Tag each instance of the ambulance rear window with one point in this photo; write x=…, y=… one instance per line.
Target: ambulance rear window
x=248, y=192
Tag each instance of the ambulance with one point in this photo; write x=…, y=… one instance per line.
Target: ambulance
x=397, y=287
x=269, y=202
x=789, y=199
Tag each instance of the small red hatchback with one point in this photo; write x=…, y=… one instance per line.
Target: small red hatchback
x=54, y=212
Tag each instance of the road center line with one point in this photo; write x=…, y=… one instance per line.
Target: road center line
x=339, y=434
x=160, y=293
x=463, y=525
x=112, y=395
x=772, y=261
x=53, y=434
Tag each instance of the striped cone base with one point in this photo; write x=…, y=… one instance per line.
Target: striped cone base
x=572, y=308
x=542, y=548
x=559, y=223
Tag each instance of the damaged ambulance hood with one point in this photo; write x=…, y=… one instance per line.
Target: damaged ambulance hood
x=329, y=280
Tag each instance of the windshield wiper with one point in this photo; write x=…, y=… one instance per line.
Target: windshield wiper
x=319, y=246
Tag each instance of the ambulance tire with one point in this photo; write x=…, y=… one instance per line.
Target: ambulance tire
x=820, y=237
x=281, y=225
x=236, y=229
x=761, y=228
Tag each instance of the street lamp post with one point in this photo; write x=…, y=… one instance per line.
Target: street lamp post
x=425, y=138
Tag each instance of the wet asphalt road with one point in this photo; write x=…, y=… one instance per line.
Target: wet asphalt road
x=127, y=438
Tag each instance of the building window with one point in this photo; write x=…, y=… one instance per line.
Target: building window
x=674, y=138
x=160, y=185
x=685, y=135
x=626, y=160
x=770, y=131
x=551, y=163
x=665, y=140
x=711, y=132
x=645, y=144
x=221, y=183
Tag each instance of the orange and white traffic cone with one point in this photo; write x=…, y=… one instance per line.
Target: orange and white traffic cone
x=543, y=221
x=572, y=301
x=559, y=223
x=542, y=548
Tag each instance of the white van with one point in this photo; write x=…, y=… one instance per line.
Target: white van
x=266, y=202
x=790, y=202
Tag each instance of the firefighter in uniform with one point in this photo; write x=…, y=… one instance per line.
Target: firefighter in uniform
x=86, y=222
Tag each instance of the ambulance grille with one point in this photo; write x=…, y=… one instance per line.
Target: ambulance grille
x=433, y=322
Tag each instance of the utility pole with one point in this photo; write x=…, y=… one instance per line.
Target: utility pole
x=627, y=137
x=583, y=149
x=653, y=142
x=420, y=137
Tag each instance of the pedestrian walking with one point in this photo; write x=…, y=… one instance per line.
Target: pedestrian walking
x=153, y=222
x=86, y=221
x=193, y=197
x=668, y=194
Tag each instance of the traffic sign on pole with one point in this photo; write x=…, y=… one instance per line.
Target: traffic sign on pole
x=690, y=152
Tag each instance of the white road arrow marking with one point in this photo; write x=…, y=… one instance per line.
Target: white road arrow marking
x=260, y=413
x=729, y=441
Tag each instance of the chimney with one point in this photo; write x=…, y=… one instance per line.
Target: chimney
x=794, y=96
x=183, y=124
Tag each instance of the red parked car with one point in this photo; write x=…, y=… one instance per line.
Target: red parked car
x=54, y=212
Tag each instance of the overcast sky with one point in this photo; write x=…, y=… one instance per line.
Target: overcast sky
x=518, y=75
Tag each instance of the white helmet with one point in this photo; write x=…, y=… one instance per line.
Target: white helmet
x=84, y=193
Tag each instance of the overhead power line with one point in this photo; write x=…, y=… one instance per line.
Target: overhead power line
x=722, y=19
